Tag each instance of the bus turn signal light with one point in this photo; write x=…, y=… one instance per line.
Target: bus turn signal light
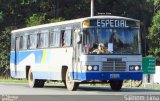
x=86, y=23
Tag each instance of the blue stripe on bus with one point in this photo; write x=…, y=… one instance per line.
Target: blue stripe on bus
x=24, y=54
x=106, y=76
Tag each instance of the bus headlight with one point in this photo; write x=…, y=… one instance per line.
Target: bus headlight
x=134, y=67
x=93, y=67
x=89, y=68
x=137, y=68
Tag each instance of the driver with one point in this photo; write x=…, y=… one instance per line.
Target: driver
x=100, y=49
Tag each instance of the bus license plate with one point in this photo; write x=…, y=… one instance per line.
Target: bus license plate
x=114, y=76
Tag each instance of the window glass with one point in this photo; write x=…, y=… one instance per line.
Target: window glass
x=25, y=41
x=51, y=39
x=43, y=39
x=46, y=39
x=111, y=41
x=55, y=38
x=38, y=40
x=21, y=43
x=67, y=38
x=28, y=42
x=12, y=42
x=17, y=43
x=62, y=38
x=33, y=41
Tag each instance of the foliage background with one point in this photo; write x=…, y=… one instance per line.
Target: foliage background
x=154, y=33
x=16, y=14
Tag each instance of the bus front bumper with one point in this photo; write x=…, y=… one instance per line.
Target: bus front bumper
x=109, y=76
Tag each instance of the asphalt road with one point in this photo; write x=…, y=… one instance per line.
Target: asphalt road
x=21, y=92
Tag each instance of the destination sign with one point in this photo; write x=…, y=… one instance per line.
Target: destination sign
x=111, y=23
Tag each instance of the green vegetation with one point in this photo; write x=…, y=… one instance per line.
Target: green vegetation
x=16, y=14
x=35, y=20
x=12, y=81
x=154, y=32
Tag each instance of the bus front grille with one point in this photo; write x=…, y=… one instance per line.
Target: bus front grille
x=114, y=66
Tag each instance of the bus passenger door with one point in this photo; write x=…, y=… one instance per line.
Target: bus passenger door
x=76, y=53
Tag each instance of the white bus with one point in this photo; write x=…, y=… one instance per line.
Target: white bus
x=95, y=49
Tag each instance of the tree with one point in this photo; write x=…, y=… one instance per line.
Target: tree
x=35, y=20
x=156, y=5
x=154, y=35
x=56, y=20
x=1, y=16
x=4, y=50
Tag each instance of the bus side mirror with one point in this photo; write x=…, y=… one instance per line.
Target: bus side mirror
x=79, y=39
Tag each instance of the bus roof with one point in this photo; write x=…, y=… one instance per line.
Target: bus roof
x=71, y=21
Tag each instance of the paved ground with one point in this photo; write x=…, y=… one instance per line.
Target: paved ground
x=21, y=92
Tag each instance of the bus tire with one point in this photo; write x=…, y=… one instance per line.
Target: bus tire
x=116, y=85
x=64, y=82
x=33, y=83
x=70, y=84
x=40, y=83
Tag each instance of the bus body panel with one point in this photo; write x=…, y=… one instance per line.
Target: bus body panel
x=123, y=73
x=45, y=63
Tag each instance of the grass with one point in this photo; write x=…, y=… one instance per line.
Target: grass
x=10, y=80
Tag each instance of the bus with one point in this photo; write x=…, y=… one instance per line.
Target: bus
x=98, y=49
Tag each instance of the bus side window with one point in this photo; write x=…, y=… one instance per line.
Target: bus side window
x=17, y=43
x=42, y=39
x=21, y=43
x=33, y=41
x=28, y=42
x=51, y=36
x=63, y=38
x=46, y=39
x=67, y=37
x=52, y=40
x=55, y=38
x=38, y=40
x=25, y=41
x=12, y=42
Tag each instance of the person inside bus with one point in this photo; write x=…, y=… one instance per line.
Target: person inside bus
x=62, y=39
x=99, y=49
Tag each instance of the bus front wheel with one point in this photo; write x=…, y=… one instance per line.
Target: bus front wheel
x=70, y=84
x=33, y=83
x=116, y=85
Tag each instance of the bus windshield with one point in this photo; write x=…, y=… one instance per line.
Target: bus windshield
x=111, y=41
